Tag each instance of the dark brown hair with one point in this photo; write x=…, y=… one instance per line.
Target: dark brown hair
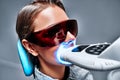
x=28, y=13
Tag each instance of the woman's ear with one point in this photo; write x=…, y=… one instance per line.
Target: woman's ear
x=29, y=47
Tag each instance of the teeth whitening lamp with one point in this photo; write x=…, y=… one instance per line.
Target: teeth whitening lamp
x=102, y=60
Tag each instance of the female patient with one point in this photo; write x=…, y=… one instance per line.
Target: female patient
x=41, y=26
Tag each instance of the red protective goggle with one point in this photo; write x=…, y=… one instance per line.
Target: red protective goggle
x=54, y=34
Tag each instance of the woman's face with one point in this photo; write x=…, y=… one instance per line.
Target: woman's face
x=48, y=16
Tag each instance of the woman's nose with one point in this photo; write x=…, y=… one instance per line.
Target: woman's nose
x=69, y=37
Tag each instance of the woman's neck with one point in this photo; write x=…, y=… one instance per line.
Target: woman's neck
x=54, y=71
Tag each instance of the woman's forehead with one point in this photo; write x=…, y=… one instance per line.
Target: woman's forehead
x=49, y=16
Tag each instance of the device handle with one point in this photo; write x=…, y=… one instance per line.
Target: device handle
x=66, y=56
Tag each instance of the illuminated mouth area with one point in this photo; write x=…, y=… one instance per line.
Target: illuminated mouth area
x=64, y=46
x=69, y=44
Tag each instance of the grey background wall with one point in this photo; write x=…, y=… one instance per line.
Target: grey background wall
x=98, y=20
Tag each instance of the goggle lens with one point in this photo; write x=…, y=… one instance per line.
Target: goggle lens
x=54, y=34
